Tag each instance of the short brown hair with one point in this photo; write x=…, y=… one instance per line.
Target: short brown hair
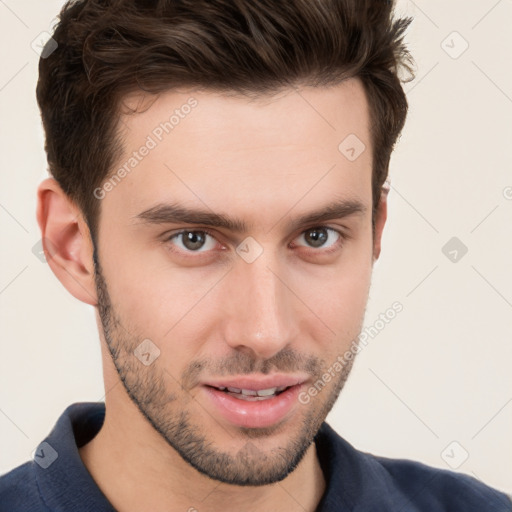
x=110, y=48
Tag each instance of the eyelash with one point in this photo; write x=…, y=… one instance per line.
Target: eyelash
x=336, y=245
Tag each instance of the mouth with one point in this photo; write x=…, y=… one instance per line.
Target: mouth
x=254, y=403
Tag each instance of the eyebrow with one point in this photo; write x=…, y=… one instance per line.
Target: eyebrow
x=173, y=213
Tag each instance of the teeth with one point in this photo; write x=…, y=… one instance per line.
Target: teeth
x=252, y=392
x=267, y=392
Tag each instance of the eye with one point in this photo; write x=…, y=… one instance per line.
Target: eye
x=196, y=241
x=321, y=237
x=193, y=240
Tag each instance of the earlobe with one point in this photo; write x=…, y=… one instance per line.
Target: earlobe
x=380, y=220
x=66, y=241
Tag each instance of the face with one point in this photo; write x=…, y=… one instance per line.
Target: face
x=234, y=263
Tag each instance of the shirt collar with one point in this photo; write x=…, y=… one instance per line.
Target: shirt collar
x=64, y=481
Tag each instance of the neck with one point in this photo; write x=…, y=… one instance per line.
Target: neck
x=137, y=470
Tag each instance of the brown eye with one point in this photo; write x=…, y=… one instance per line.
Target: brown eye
x=316, y=237
x=193, y=241
x=320, y=237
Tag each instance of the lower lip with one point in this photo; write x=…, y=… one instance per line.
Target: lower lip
x=257, y=414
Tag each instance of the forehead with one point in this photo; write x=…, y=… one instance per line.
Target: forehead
x=231, y=152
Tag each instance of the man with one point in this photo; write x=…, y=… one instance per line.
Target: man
x=218, y=195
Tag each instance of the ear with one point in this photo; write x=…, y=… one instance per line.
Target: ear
x=66, y=241
x=380, y=220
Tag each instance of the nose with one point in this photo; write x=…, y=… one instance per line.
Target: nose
x=260, y=308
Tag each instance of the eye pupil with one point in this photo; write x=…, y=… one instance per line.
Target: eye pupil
x=193, y=239
x=317, y=235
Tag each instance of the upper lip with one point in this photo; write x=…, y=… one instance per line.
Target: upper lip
x=257, y=383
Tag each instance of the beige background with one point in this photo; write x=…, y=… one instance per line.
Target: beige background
x=435, y=384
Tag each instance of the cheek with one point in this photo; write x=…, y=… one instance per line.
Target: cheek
x=134, y=287
x=154, y=299
x=338, y=302
x=338, y=305
x=338, y=293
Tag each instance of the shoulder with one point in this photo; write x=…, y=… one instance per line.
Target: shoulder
x=364, y=481
x=440, y=489
x=19, y=490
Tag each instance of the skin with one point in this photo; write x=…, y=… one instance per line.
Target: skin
x=295, y=308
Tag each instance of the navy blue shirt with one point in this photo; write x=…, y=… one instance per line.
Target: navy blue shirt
x=56, y=479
